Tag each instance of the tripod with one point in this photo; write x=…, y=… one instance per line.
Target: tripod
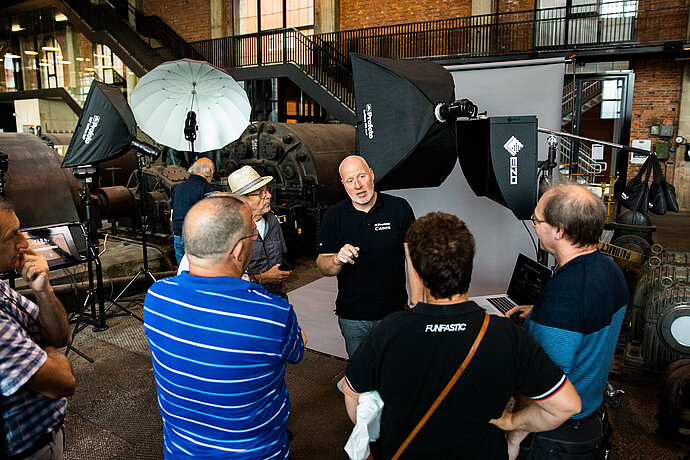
x=144, y=225
x=97, y=317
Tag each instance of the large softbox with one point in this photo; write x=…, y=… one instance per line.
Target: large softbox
x=399, y=136
x=498, y=156
x=105, y=128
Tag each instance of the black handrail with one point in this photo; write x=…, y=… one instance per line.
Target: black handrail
x=584, y=27
x=281, y=46
x=103, y=17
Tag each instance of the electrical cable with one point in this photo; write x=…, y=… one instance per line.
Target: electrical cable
x=534, y=244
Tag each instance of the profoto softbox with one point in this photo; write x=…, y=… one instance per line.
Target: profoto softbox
x=399, y=136
x=105, y=128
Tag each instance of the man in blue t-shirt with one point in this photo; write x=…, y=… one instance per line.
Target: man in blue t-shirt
x=219, y=344
x=577, y=317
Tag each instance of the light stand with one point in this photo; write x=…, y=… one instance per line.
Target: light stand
x=142, y=149
x=4, y=163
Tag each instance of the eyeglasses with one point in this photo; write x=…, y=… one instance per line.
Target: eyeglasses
x=536, y=221
x=262, y=194
x=252, y=236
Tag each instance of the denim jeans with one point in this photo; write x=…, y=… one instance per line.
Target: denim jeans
x=354, y=331
x=178, y=243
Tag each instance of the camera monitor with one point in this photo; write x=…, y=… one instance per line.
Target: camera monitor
x=56, y=244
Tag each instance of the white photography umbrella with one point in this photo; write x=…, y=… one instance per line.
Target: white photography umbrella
x=190, y=105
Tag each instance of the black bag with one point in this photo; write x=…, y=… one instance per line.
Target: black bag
x=635, y=195
x=662, y=195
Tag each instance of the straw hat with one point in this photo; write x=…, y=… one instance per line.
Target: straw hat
x=246, y=180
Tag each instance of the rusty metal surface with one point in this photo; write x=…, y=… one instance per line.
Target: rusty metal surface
x=41, y=192
x=116, y=201
x=296, y=155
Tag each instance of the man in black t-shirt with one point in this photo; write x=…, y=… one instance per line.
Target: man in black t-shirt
x=411, y=355
x=361, y=241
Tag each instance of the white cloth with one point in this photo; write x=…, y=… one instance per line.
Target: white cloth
x=368, y=424
x=261, y=227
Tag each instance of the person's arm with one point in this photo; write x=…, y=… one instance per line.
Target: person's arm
x=416, y=284
x=332, y=264
x=52, y=317
x=351, y=400
x=542, y=415
x=533, y=416
x=54, y=378
x=271, y=276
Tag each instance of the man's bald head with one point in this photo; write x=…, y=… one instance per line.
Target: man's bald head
x=214, y=225
x=577, y=211
x=351, y=161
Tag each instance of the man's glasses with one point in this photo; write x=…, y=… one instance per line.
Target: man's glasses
x=536, y=221
x=261, y=194
x=253, y=236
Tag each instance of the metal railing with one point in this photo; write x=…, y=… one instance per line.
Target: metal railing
x=585, y=162
x=101, y=16
x=590, y=26
x=590, y=90
x=281, y=46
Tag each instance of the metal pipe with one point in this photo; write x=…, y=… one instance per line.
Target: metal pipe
x=62, y=289
x=598, y=141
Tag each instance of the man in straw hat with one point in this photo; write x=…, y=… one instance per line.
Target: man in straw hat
x=270, y=245
x=186, y=194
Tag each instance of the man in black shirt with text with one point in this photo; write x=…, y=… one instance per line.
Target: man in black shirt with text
x=412, y=354
x=361, y=241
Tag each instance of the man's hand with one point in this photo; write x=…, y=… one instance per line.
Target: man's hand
x=33, y=268
x=304, y=338
x=274, y=276
x=522, y=309
x=347, y=255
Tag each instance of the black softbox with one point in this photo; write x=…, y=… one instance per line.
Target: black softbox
x=105, y=128
x=498, y=156
x=399, y=136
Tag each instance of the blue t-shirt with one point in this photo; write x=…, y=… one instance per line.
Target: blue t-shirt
x=577, y=319
x=219, y=347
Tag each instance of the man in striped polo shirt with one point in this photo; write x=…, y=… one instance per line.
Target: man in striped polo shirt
x=219, y=344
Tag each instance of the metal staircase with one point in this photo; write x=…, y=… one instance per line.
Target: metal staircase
x=141, y=47
x=591, y=96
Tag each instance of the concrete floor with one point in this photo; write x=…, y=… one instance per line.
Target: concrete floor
x=114, y=415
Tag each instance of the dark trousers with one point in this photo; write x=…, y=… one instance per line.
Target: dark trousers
x=588, y=438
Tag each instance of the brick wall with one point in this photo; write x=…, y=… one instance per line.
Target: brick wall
x=358, y=14
x=656, y=98
x=191, y=19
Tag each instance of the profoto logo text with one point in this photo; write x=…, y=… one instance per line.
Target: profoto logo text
x=367, y=123
x=90, y=128
x=513, y=146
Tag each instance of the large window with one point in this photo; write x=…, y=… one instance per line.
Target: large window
x=572, y=22
x=275, y=14
x=50, y=62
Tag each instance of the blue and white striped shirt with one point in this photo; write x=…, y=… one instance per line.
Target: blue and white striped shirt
x=26, y=414
x=219, y=347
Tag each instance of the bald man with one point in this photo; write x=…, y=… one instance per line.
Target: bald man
x=361, y=241
x=576, y=319
x=219, y=344
x=185, y=195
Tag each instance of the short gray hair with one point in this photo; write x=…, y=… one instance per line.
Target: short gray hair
x=216, y=225
x=203, y=167
x=577, y=211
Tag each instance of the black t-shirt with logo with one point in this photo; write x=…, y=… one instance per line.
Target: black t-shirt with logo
x=375, y=285
x=410, y=357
